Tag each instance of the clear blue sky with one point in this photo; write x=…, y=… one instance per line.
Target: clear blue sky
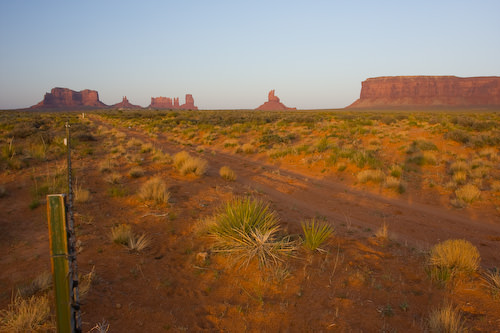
x=229, y=54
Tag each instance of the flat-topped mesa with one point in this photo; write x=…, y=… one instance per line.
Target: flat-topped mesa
x=67, y=98
x=125, y=104
x=169, y=104
x=429, y=91
x=273, y=103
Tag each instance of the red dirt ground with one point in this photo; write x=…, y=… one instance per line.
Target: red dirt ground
x=359, y=284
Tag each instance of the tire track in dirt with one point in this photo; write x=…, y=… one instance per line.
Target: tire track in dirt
x=297, y=196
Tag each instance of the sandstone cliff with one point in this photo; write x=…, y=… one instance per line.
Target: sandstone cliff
x=429, y=91
x=172, y=104
x=67, y=98
x=273, y=103
x=125, y=104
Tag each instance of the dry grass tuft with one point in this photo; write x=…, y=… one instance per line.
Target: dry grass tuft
x=446, y=320
x=375, y=176
x=113, y=178
x=81, y=195
x=122, y=234
x=468, y=193
x=395, y=184
x=85, y=282
x=26, y=315
x=248, y=148
x=187, y=164
x=495, y=186
x=453, y=258
x=383, y=232
x=227, y=173
x=136, y=172
x=155, y=190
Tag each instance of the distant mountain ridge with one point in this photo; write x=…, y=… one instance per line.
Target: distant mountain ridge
x=428, y=91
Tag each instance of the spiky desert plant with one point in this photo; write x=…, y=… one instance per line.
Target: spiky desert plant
x=247, y=229
x=26, y=315
x=453, y=257
x=155, y=190
x=446, y=319
x=138, y=244
x=315, y=234
x=121, y=233
x=227, y=173
x=468, y=193
x=491, y=279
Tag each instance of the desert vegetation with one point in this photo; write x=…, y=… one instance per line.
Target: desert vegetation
x=323, y=220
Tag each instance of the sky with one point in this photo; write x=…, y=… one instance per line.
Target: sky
x=229, y=54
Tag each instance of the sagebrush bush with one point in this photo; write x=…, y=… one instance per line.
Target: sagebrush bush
x=315, y=233
x=247, y=229
x=155, y=190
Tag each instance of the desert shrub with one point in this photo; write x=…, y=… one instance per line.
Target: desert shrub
x=248, y=148
x=322, y=145
x=113, y=178
x=3, y=191
x=396, y=171
x=227, y=173
x=105, y=166
x=460, y=177
x=146, y=148
x=155, y=190
x=247, y=229
x=458, y=136
x=42, y=282
x=446, y=319
x=121, y=233
x=459, y=166
x=395, y=184
x=452, y=258
x=81, y=194
x=468, y=193
x=423, y=158
x=26, y=315
x=136, y=172
x=375, y=176
x=194, y=165
x=490, y=153
x=315, y=234
x=180, y=158
x=495, y=186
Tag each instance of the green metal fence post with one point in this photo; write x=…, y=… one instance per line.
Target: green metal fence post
x=56, y=213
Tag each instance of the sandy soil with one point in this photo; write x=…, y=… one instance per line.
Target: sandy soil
x=360, y=283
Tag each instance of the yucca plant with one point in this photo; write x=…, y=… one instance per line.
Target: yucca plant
x=491, y=279
x=247, y=229
x=315, y=234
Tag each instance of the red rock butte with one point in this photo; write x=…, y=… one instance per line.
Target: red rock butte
x=64, y=97
x=172, y=104
x=429, y=91
x=125, y=104
x=273, y=103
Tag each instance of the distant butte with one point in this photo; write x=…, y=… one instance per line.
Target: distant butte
x=273, y=104
x=67, y=98
x=125, y=104
x=168, y=103
x=429, y=91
